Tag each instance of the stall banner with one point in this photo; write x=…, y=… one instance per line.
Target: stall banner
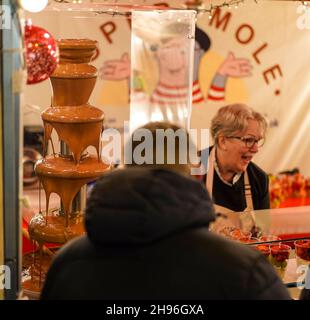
x=256, y=54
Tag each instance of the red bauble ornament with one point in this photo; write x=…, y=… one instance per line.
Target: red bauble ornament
x=41, y=53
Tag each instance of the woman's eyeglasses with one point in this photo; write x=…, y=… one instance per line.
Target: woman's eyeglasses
x=249, y=141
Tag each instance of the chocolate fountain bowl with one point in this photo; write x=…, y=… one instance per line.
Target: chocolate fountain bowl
x=77, y=50
x=73, y=96
x=74, y=79
x=57, y=175
x=52, y=228
x=78, y=126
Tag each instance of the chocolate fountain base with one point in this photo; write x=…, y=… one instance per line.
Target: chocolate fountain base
x=54, y=229
x=35, y=267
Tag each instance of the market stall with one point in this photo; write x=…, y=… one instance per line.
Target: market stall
x=95, y=66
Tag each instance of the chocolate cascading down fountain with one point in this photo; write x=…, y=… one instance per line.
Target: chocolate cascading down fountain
x=78, y=126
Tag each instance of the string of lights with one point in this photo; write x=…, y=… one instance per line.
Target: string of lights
x=115, y=8
x=118, y=9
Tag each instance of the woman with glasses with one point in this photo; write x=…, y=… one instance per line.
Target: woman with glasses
x=233, y=180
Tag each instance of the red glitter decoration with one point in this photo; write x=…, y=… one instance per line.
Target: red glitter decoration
x=41, y=53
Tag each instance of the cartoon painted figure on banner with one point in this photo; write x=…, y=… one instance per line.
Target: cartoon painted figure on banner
x=171, y=87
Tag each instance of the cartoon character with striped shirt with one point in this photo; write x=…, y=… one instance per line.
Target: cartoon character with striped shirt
x=169, y=98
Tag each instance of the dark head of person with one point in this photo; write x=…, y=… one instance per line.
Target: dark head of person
x=160, y=145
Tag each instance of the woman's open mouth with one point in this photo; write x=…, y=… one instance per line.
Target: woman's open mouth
x=246, y=159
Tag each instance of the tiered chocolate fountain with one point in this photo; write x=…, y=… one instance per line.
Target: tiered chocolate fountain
x=78, y=126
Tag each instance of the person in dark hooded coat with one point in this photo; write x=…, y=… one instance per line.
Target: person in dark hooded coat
x=148, y=238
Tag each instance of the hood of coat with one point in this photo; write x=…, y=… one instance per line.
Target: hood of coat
x=141, y=205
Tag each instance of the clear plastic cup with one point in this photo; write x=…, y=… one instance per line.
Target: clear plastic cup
x=279, y=255
x=241, y=236
x=302, y=251
x=264, y=249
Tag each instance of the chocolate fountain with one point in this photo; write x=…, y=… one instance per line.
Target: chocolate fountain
x=78, y=126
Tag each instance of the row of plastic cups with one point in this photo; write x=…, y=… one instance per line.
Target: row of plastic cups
x=302, y=249
x=267, y=249
x=246, y=237
x=278, y=252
